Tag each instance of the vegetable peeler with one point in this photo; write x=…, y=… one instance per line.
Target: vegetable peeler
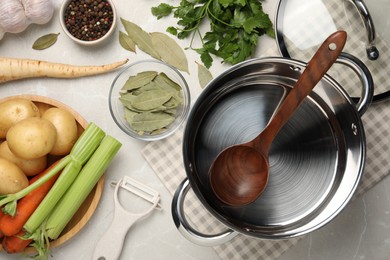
x=110, y=244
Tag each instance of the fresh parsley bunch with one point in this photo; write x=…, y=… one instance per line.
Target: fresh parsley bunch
x=235, y=26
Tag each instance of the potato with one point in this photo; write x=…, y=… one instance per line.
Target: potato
x=31, y=138
x=42, y=107
x=15, y=110
x=66, y=127
x=12, y=178
x=29, y=167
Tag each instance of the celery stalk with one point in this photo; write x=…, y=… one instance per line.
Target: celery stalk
x=68, y=175
x=80, y=153
x=82, y=186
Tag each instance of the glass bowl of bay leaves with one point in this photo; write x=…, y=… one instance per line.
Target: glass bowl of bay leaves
x=149, y=100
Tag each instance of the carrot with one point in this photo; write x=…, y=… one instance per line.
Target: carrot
x=14, y=69
x=11, y=225
x=2, y=214
x=16, y=243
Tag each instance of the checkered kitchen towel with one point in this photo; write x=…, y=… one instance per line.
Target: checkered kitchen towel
x=165, y=157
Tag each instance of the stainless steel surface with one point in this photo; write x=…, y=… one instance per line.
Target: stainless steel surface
x=372, y=51
x=185, y=227
x=367, y=91
x=316, y=160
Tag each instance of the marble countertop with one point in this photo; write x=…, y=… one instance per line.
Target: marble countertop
x=361, y=231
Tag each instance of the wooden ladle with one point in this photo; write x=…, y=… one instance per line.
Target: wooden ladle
x=239, y=174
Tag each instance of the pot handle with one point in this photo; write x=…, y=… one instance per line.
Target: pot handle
x=185, y=228
x=372, y=51
x=365, y=78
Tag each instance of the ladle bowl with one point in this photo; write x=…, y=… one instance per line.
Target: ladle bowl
x=239, y=174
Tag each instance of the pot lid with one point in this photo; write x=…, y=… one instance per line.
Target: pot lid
x=302, y=25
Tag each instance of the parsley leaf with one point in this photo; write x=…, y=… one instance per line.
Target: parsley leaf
x=235, y=26
x=162, y=10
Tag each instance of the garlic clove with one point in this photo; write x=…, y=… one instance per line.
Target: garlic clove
x=12, y=17
x=38, y=11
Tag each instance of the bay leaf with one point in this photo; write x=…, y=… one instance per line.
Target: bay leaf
x=129, y=115
x=151, y=121
x=127, y=99
x=141, y=38
x=171, y=111
x=177, y=96
x=151, y=99
x=166, y=83
x=150, y=86
x=45, y=41
x=157, y=109
x=172, y=103
x=204, y=75
x=158, y=131
x=169, y=50
x=139, y=80
x=136, y=110
x=126, y=42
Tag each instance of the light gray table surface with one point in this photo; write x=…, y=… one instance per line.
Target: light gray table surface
x=361, y=231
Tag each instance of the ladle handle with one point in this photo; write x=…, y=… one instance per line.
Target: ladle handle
x=317, y=67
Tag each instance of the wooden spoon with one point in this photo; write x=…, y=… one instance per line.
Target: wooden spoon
x=239, y=174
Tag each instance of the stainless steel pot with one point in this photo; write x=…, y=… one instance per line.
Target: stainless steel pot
x=316, y=161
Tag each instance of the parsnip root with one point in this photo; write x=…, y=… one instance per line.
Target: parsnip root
x=15, y=69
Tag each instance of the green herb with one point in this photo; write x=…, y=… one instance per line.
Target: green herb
x=45, y=41
x=150, y=100
x=235, y=26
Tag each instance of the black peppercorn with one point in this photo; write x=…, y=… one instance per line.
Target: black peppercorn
x=88, y=20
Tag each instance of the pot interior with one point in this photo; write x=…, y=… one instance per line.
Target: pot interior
x=307, y=158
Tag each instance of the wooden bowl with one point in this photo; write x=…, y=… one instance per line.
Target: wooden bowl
x=90, y=204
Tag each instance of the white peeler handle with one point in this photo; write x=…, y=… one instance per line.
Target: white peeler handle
x=110, y=244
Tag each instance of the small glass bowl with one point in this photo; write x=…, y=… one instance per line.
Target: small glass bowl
x=65, y=4
x=117, y=108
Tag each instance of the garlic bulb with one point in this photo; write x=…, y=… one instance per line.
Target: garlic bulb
x=12, y=17
x=38, y=11
x=16, y=15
